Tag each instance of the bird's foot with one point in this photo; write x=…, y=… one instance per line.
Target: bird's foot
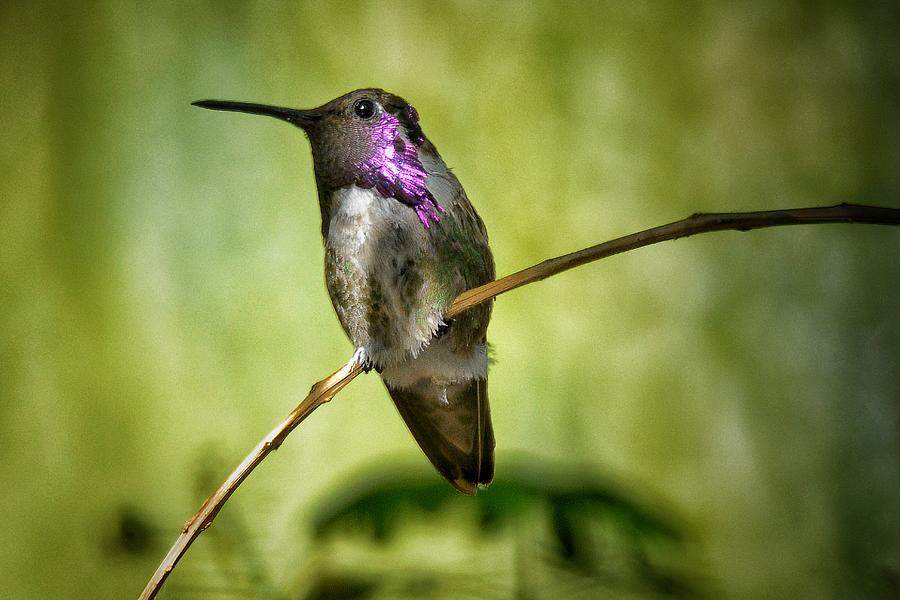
x=361, y=358
x=443, y=328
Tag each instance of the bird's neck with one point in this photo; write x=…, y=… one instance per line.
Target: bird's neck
x=404, y=172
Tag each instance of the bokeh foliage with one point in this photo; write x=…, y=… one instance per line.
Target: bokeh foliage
x=163, y=304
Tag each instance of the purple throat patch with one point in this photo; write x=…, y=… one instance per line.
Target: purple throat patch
x=394, y=169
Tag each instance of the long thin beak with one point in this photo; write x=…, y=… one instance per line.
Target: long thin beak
x=300, y=118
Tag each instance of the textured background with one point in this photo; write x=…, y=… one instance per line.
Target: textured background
x=163, y=303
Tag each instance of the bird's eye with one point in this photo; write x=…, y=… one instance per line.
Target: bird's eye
x=364, y=109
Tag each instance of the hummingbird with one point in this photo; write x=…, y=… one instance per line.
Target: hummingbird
x=401, y=242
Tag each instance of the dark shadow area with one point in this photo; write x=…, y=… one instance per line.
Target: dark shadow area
x=564, y=526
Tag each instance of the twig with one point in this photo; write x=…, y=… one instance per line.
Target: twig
x=697, y=223
x=326, y=389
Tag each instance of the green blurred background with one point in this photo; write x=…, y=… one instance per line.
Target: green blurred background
x=721, y=413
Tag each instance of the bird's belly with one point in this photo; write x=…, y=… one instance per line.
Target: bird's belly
x=371, y=253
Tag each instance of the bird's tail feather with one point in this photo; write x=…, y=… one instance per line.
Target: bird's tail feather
x=452, y=424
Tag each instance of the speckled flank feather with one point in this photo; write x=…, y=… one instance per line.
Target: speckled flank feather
x=391, y=280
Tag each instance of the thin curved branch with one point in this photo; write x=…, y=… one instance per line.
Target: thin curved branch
x=696, y=223
x=325, y=390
